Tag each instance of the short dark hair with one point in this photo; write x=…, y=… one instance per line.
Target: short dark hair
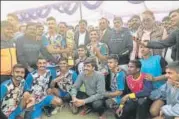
x=137, y=63
x=41, y=58
x=5, y=24
x=176, y=10
x=135, y=16
x=51, y=18
x=104, y=19
x=118, y=18
x=90, y=60
x=63, y=23
x=149, y=13
x=174, y=65
x=18, y=66
x=114, y=57
x=167, y=18
x=95, y=31
x=63, y=59
x=82, y=46
x=31, y=24
x=83, y=21
x=14, y=16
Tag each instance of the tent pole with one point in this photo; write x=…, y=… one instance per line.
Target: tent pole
x=81, y=15
x=146, y=8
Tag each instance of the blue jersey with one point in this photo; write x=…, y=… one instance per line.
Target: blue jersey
x=39, y=84
x=118, y=84
x=10, y=95
x=153, y=67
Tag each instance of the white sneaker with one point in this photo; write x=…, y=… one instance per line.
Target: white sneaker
x=55, y=111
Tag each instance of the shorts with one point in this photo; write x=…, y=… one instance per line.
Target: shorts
x=15, y=113
x=37, y=112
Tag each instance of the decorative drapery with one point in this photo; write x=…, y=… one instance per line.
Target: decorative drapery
x=65, y=7
x=135, y=2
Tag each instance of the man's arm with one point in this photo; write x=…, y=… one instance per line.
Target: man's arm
x=168, y=42
x=158, y=93
x=100, y=91
x=76, y=86
x=171, y=110
x=103, y=52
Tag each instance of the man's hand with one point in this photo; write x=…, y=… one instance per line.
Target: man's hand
x=149, y=77
x=140, y=42
x=30, y=102
x=79, y=103
x=119, y=111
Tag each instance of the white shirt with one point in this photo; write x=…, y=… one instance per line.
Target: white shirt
x=81, y=40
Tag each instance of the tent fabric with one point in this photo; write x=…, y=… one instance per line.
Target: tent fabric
x=107, y=9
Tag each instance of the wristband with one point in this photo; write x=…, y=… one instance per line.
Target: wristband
x=132, y=95
x=121, y=105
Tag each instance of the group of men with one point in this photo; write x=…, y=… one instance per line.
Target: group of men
x=37, y=74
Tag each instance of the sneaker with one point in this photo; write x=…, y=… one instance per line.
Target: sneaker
x=74, y=109
x=85, y=111
x=55, y=111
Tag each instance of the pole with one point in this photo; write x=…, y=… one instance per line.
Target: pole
x=80, y=5
x=146, y=8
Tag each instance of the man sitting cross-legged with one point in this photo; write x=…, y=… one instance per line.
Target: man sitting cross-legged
x=170, y=92
x=14, y=95
x=39, y=81
x=61, y=86
x=95, y=88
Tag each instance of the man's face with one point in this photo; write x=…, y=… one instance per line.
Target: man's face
x=88, y=69
x=174, y=18
x=144, y=51
x=166, y=24
x=8, y=31
x=18, y=74
x=40, y=31
x=63, y=65
x=117, y=24
x=82, y=26
x=62, y=28
x=11, y=20
x=132, y=69
x=147, y=21
x=41, y=64
x=135, y=23
x=51, y=24
x=81, y=52
x=172, y=75
x=103, y=24
x=112, y=64
x=31, y=30
x=94, y=36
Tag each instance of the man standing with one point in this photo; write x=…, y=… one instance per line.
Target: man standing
x=171, y=40
x=29, y=49
x=120, y=43
x=95, y=88
x=15, y=96
x=8, y=51
x=82, y=35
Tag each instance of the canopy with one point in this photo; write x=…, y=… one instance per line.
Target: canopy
x=107, y=9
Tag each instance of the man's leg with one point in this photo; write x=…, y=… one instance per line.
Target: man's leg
x=129, y=110
x=143, y=108
x=98, y=106
x=155, y=107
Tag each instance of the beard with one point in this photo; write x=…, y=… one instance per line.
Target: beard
x=19, y=78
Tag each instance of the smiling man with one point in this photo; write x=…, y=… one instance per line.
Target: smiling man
x=95, y=88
